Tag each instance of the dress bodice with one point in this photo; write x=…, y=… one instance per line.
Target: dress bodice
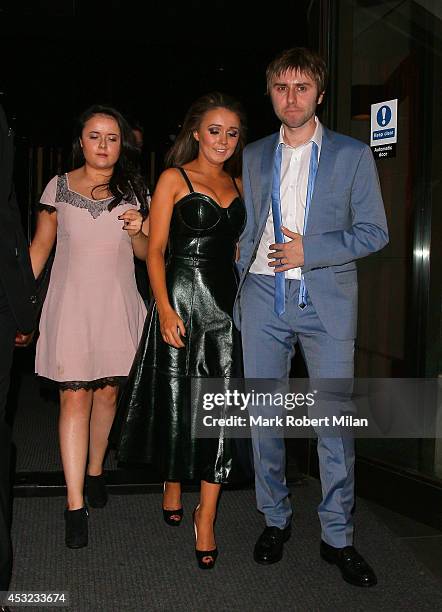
x=202, y=229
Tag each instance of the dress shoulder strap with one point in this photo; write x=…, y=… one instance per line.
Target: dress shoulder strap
x=236, y=187
x=186, y=178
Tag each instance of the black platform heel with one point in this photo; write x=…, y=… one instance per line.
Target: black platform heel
x=168, y=514
x=96, y=491
x=205, y=558
x=76, y=535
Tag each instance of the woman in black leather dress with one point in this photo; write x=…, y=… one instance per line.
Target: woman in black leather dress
x=198, y=212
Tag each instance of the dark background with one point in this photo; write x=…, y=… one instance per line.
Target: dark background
x=148, y=59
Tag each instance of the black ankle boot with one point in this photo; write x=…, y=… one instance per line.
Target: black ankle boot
x=96, y=491
x=76, y=527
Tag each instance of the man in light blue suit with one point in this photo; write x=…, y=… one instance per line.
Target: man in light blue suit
x=314, y=207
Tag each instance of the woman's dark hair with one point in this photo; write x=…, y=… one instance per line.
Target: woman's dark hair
x=185, y=147
x=126, y=180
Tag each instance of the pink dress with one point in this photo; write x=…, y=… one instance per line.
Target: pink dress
x=93, y=315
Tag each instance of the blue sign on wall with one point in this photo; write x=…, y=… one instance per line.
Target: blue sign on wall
x=383, y=116
x=383, y=133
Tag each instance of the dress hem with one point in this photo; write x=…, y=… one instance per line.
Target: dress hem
x=87, y=385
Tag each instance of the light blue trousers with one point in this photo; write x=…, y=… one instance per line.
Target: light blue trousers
x=268, y=346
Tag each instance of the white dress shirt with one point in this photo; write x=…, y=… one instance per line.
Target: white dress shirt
x=295, y=164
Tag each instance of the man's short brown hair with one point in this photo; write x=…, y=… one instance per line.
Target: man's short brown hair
x=300, y=59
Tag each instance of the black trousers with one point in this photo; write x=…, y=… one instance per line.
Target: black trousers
x=7, y=334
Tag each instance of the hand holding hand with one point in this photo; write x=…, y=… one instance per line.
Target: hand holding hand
x=287, y=255
x=133, y=221
x=23, y=340
x=172, y=328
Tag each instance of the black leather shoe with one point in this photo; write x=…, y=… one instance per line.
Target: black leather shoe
x=354, y=568
x=96, y=491
x=270, y=545
x=76, y=527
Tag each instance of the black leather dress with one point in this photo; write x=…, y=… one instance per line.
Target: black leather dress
x=155, y=420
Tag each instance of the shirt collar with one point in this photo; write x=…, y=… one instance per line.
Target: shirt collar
x=317, y=136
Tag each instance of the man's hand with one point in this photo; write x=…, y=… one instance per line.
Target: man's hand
x=287, y=255
x=22, y=340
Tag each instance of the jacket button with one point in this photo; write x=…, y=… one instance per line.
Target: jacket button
x=33, y=299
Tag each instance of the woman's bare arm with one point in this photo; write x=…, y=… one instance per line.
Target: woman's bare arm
x=44, y=240
x=138, y=230
x=161, y=209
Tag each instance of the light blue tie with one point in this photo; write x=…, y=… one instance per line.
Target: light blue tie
x=279, y=236
x=313, y=169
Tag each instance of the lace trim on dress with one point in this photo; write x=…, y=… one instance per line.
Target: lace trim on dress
x=99, y=383
x=95, y=207
x=46, y=207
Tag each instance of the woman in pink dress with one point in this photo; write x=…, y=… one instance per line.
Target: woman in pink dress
x=93, y=315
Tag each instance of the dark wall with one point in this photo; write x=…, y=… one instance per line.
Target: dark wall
x=149, y=60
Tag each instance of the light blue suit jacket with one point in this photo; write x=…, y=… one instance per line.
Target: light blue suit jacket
x=346, y=222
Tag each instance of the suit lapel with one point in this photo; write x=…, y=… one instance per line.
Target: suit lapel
x=266, y=175
x=324, y=177
x=6, y=156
